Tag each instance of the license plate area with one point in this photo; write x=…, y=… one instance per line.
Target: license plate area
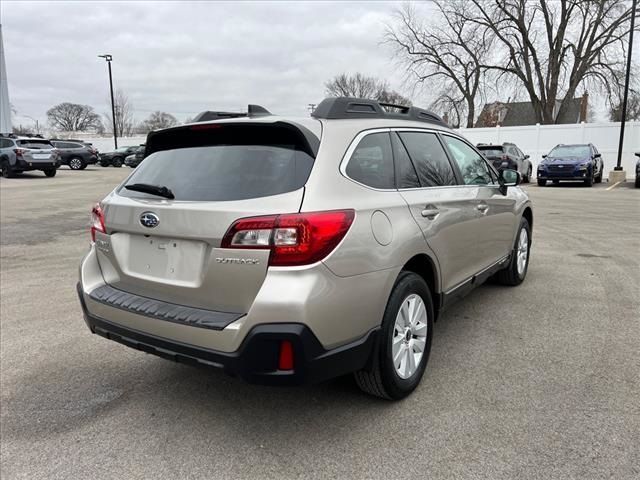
x=41, y=156
x=166, y=260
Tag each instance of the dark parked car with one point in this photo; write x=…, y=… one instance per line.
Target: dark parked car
x=116, y=158
x=76, y=154
x=23, y=154
x=508, y=155
x=134, y=160
x=580, y=162
x=638, y=170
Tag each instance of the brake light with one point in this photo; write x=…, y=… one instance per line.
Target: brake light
x=19, y=151
x=293, y=239
x=97, y=221
x=504, y=157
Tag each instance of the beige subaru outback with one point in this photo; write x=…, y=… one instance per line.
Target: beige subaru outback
x=293, y=250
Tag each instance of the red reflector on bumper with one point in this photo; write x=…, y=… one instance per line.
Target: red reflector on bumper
x=285, y=360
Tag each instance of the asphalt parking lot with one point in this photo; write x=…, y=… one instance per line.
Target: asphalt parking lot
x=538, y=381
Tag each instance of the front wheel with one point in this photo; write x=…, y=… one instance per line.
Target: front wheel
x=589, y=181
x=599, y=177
x=404, y=342
x=542, y=183
x=515, y=272
x=527, y=176
x=50, y=172
x=117, y=162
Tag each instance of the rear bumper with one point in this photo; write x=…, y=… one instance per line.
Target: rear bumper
x=37, y=165
x=256, y=360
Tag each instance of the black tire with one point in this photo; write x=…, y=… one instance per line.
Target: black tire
x=510, y=275
x=527, y=176
x=77, y=163
x=50, y=172
x=588, y=182
x=117, y=162
x=104, y=164
x=637, y=182
x=599, y=177
x=381, y=378
x=542, y=183
x=7, y=169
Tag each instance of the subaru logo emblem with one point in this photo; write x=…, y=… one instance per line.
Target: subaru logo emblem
x=149, y=220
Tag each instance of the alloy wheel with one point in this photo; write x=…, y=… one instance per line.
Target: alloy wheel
x=409, y=336
x=523, y=251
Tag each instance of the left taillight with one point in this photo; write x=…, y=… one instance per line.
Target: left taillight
x=293, y=239
x=97, y=221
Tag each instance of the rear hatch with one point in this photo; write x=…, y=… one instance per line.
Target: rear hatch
x=37, y=151
x=495, y=154
x=169, y=248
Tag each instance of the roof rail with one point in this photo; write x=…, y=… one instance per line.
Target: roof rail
x=334, y=108
x=252, y=111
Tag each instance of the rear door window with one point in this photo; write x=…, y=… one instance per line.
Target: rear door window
x=429, y=158
x=228, y=162
x=372, y=162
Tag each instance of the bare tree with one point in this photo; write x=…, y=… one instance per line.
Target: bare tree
x=633, y=108
x=362, y=86
x=552, y=48
x=158, y=120
x=124, y=115
x=445, y=56
x=73, y=117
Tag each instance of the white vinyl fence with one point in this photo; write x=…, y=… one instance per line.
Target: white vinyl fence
x=105, y=144
x=537, y=140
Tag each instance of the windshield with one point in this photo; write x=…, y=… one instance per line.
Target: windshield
x=123, y=149
x=570, y=151
x=35, y=144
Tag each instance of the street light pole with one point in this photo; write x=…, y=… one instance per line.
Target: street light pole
x=108, y=58
x=618, y=166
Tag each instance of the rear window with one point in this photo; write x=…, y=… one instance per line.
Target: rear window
x=491, y=151
x=34, y=144
x=228, y=163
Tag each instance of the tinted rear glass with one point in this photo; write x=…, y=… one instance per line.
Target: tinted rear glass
x=239, y=163
x=35, y=143
x=491, y=151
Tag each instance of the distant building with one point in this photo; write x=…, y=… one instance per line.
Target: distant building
x=514, y=114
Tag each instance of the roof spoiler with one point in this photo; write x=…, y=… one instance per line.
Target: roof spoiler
x=252, y=111
x=350, y=107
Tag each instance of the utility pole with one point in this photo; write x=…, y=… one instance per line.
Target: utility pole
x=312, y=107
x=618, y=172
x=108, y=58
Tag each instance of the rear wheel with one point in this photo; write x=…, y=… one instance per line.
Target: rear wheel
x=542, y=183
x=515, y=272
x=404, y=342
x=117, y=162
x=76, y=163
x=50, y=172
x=7, y=169
x=104, y=163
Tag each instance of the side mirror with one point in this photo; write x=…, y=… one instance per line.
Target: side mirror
x=597, y=155
x=544, y=156
x=508, y=178
x=528, y=156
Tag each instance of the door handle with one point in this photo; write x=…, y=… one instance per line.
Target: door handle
x=482, y=208
x=430, y=213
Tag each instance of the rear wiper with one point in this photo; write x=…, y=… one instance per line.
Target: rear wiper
x=161, y=191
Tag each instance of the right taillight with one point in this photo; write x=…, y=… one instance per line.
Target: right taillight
x=97, y=221
x=293, y=239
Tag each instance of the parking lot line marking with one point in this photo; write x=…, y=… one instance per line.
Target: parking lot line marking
x=614, y=186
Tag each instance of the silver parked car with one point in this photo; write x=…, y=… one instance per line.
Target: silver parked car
x=288, y=250
x=23, y=154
